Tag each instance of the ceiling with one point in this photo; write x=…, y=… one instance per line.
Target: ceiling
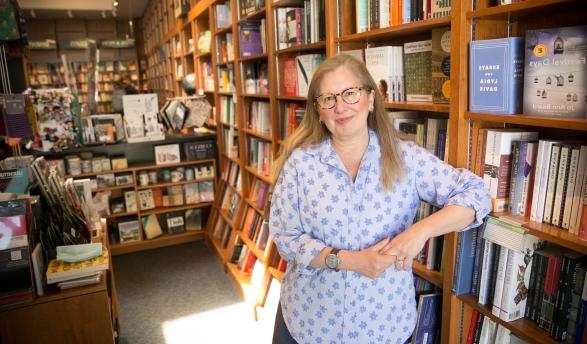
x=81, y=9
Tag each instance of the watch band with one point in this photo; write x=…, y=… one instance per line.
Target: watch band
x=335, y=251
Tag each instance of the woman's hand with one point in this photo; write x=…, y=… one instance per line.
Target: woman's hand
x=406, y=246
x=370, y=262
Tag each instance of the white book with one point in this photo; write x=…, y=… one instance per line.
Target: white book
x=486, y=267
x=359, y=54
x=499, y=281
x=561, y=184
x=572, y=180
x=398, y=81
x=384, y=20
x=306, y=64
x=543, y=169
x=379, y=64
x=497, y=156
x=502, y=335
x=530, y=177
x=551, y=183
x=578, y=192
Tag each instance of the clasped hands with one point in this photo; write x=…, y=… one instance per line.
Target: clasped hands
x=397, y=252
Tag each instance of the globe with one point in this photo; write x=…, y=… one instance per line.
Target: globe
x=189, y=84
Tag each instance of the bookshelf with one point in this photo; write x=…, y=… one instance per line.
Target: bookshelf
x=232, y=103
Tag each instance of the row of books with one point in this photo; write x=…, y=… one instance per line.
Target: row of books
x=222, y=231
x=230, y=202
x=300, y=25
x=541, y=74
x=231, y=175
x=127, y=230
x=256, y=78
x=293, y=113
x=519, y=275
x=225, y=48
x=417, y=71
x=376, y=14
x=296, y=73
x=259, y=117
x=226, y=81
x=259, y=156
x=542, y=179
x=252, y=38
x=256, y=228
x=230, y=142
x=483, y=330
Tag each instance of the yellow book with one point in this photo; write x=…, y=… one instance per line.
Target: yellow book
x=59, y=271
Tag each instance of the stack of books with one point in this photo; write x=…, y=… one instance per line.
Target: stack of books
x=69, y=275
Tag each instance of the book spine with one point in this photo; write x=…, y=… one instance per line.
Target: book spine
x=551, y=184
x=500, y=280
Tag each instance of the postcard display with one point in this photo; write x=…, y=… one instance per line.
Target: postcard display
x=140, y=118
x=55, y=116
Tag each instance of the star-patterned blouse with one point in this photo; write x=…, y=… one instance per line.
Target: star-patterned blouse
x=316, y=205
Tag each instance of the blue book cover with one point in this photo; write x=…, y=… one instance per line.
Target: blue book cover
x=555, y=72
x=428, y=319
x=465, y=261
x=495, y=75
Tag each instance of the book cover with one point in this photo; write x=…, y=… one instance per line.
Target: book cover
x=441, y=65
x=555, y=72
x=428, y=320
x=15, y=262
x=418, y=71
x=151, y=226
x=193, y=219
x=289, y=79
x=250, y=38
x=175, y=222
x=129, y=231
x=495, y=75
x=59, y=271
x=466, y=252
x=306, y=64
x=379, y=62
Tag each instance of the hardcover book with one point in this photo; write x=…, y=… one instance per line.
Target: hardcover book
x=129, y=231
x=379, y=62
x=495, y=75
x=418, y=71
x=428, y=320
x=193, y=219
x=441, y=65
x=175, y=222
x=555, y=72
x=250, y=38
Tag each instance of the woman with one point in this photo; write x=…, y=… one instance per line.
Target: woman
x=342, y=210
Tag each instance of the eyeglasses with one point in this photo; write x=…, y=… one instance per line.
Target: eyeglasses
x=351, y=95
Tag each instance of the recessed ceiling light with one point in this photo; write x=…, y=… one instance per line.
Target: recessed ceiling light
x=115, y=3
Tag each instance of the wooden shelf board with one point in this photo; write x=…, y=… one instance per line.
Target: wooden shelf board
x=224, y=214
x=253, y=58
x=254, y=206
x=548, y=232
x=302, y=48
x=92, y=174
x=161, y=185
x=112, y=188
x=434, y=277
x=204, y=55
x=287, y=3
x=235, y=160
x=242, y=279
x=397, y=30
x=161, y=210
x=526, y=6
x=258, y=14
x=254, y=172
x=112, y=216
x=223, y=93
x=251, y=95
x=536, y=121
x=217, y=245
x=255, y=133
x=141, y=167
x=277, y=274
x=161, y=241
x=523, y=328
x=292, y=98
x=418, y=106
x=223, y=30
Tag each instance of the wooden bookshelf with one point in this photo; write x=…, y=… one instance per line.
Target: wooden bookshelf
x=484, y=22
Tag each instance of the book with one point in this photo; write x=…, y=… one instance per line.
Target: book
x=129, y=230
x=250, y=38
x=418, y=71
x=151, y=226
x=193, y=219
x=555, y=81
x=465, y=257
x=59, y=271
x=495, y=77
x=175, y=222
x=306, y=65
x=428, y=319
x=38, y=263
x=441, y=65
x=380, y=63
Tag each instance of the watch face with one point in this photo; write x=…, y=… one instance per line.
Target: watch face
x=332, y=261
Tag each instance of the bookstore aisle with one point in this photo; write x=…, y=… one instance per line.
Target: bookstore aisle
x=181, y=294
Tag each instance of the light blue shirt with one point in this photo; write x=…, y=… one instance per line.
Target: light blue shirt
x=316, y=205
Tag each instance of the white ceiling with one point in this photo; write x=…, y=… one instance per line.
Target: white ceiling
x=81, y=9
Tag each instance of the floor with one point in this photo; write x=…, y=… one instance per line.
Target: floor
x=180, y=294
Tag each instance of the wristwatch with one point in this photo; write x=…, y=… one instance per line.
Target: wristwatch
x=333, y=260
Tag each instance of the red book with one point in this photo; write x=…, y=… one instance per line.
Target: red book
x=282, y=265
x=290, y=77
x=248, y=266
x=472, y=327
x=583, y=223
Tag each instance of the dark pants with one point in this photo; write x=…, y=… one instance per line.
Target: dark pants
x=281, y=334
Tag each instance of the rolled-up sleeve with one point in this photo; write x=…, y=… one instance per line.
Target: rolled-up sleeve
x=294, y=242
x=441, y=184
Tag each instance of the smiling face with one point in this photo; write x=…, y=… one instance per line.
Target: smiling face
x=345, y=121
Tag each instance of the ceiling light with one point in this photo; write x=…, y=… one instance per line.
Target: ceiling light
x=115, y=3
x=69, y=14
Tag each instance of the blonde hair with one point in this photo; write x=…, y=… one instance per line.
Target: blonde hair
x=311, y=131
